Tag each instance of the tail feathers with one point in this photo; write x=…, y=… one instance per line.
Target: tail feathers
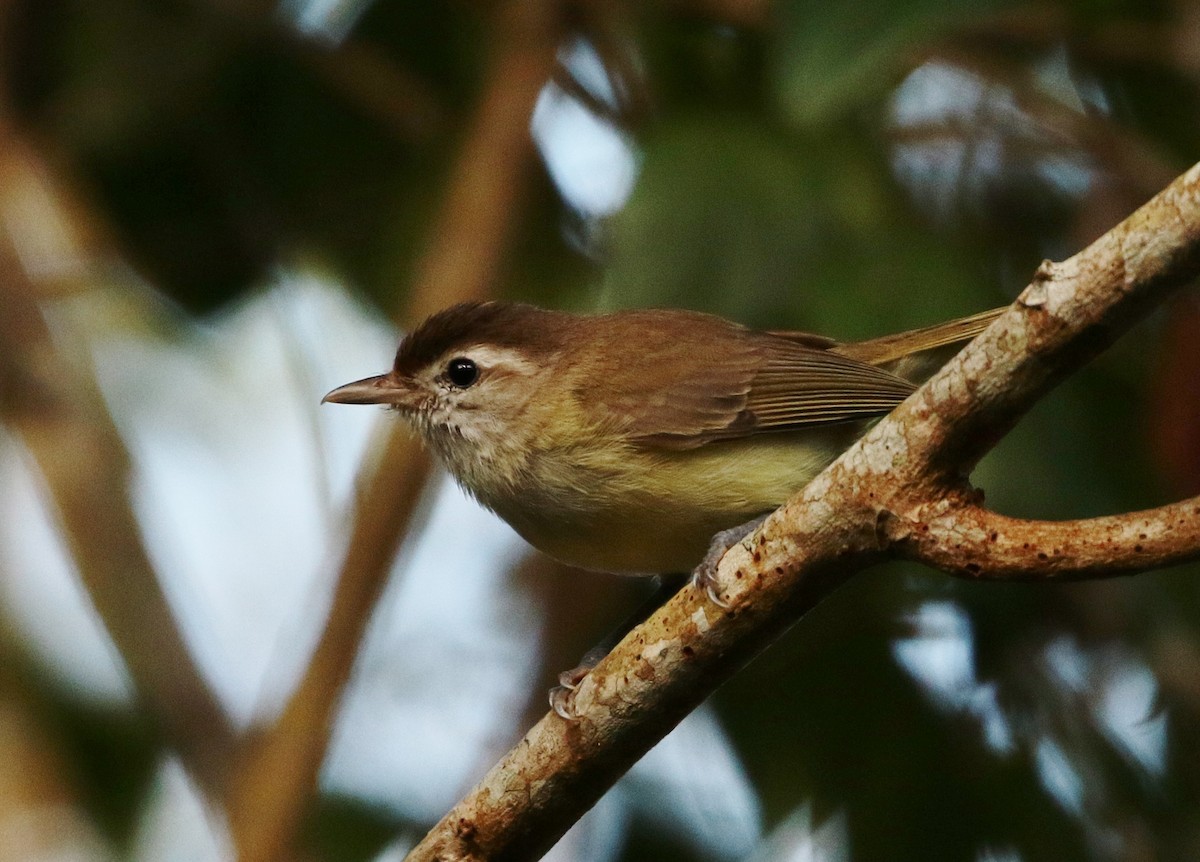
x=890, y=348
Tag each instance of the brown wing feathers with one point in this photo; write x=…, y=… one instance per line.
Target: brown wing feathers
x=799, y=386
x=755, y=383
x=775, y=381
x=689, y=381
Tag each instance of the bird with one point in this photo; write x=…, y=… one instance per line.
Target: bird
x=625, y=442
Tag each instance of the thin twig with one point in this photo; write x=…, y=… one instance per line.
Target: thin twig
x=843, y=521
x=566, y=81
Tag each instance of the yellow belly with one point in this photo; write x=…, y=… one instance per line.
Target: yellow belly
x=644, y=512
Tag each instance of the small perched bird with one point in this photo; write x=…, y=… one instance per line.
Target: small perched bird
x=624, y=442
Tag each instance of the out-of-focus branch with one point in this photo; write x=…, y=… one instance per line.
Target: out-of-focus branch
x=569, y=84
x=379, y=88
x=364, y=76
x=609, y=30
x=489, y=180
x=463, y=259
x=40, y=813
x=60, y=417
x=737, y=13
x=875, y=501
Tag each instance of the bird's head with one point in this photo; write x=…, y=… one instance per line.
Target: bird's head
x=468, y=376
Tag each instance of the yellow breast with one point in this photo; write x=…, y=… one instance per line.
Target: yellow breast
x=637, y=511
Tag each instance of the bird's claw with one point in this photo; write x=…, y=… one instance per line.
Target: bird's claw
x=562, y=696
x=705, y=578
x=705, y=575
x=570, y=679
x=562, y=701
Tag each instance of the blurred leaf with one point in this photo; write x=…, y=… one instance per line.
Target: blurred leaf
x=443, y=44
x=777, y=231
x=216, y=169
x=828, y=58
x=720, y=219
x=114, y=757
x=695, y=64
x=342, y=829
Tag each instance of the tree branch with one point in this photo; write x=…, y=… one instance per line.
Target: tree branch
x=971, y=542
x=54, y=407
x=901, y=481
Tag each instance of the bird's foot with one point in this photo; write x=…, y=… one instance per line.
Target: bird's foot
x=704, y=577
x=562, y=696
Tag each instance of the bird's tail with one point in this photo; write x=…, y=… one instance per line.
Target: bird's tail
x=891, y=348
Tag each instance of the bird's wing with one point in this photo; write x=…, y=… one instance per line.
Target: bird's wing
x=702, y=379
x=799, y=386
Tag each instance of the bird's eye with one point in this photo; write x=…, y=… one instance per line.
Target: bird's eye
x=462, y=372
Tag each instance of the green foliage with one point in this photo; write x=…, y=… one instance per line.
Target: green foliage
x=832, y=59
x=345, y=829
x=736, y=216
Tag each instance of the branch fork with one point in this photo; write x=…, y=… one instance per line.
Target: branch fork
x=900, y=491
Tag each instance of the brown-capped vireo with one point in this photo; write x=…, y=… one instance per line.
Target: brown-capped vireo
x=623, y=442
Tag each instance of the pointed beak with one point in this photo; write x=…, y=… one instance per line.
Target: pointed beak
x=381, y=389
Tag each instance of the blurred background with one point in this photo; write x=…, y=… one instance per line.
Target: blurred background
x=230, y=617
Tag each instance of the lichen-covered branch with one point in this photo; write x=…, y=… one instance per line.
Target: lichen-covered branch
x=894, y=493
x=972, y=542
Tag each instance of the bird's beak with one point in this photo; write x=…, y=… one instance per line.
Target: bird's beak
x=381, y=389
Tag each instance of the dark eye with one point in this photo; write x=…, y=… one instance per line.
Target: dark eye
x=462, y=372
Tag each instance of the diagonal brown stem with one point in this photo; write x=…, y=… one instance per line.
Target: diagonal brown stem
x=277, y=777
x=62, y=421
